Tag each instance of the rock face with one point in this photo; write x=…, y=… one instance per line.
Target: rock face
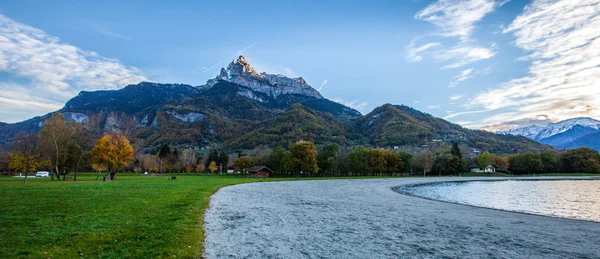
x=240, y=72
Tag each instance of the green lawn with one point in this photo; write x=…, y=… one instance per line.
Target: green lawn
x=134, y=216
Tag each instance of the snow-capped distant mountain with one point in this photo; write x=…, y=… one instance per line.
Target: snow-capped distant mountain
x=560, y=134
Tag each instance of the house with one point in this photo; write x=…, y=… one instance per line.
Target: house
x=488, y=169
x=475, y=168
x=259, y=172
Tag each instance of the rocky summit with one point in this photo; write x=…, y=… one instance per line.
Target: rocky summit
x=240, y=72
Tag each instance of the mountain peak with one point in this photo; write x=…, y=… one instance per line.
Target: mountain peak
x=240, y=72
x=241, y=65
x=543, y=132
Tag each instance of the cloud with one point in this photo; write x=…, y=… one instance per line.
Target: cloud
x=455, y=97
x=462, y=55
x=355, y=104
x=457, y=18
x=322, y=85
x=468, y=74
x=563, y=81
x=432, y=107
x=288, y=72
x=104, y=30
x=412, y=51
x=48, y=72
x=454, y=19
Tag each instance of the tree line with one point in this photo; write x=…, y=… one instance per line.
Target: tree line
x=63, y=148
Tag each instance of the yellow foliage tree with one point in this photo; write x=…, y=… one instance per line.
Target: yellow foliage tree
x=241, y=164
x=212, y=167
x=113, y=152
x=199, y=168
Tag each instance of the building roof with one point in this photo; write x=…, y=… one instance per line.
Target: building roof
x=259, y=168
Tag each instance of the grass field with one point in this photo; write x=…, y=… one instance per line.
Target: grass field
x=135, y=216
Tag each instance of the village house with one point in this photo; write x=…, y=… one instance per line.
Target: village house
x=259, y=172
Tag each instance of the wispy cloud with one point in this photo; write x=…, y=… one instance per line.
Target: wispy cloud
x=432, y=107
x=457, y=18
x=355, y=104
x=53, y=71
x=322, y=85
x=237, y=53
x=412, y=51
x=563, y=81
x=288, y=72
x=99, y=28
x=455, y=97
x=454, y=19
x=467, y=74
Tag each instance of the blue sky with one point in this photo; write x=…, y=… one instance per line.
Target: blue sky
x=490, y=64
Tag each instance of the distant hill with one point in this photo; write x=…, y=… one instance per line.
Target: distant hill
x=567, y=134
x=391, y=125
x=244, y=109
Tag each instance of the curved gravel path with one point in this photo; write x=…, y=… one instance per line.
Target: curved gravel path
x=367, y=219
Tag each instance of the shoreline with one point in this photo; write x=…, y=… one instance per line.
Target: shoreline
x=367, y=218
x=550, y=178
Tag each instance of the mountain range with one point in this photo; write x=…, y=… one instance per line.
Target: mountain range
x=567, y=134
x=242, y=108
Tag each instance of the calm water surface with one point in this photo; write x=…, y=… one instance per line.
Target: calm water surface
x=576, y=199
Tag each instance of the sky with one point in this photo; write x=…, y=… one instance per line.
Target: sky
x=484, y=64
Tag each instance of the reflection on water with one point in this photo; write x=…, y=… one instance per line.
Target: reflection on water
x=577, y=199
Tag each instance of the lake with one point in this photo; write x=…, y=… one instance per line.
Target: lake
x=575, y=199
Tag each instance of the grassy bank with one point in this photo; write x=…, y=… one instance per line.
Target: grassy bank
x=133, y=217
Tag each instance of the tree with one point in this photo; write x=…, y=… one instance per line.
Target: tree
x=163, y=153
x=276, y=159
x=377, y=161
x=326, y=158
x=484, y=160
x=151, y=164
x=444, y=162
x=549, y=161
x=188, y=157
x=54, y=138
x=24, y=158
x=212, y=167
x=424, y=161
x=456, y=166
x=406, y=160
x=358, y=160
x=303, y=157
x=99, y=168
x=525, y=163
x=394, y=163
x=580, y=160
x=241, y=164
x=199, y=168
x=112, y=151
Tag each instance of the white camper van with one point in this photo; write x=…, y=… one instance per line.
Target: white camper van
x=42, y=174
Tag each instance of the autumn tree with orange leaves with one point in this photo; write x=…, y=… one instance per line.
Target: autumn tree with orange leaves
x=113, y=152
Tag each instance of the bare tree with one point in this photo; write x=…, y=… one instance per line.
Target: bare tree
x=424, y=160
x=24, y=157
x=53, y=138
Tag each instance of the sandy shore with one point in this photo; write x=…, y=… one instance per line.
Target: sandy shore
x=367, y=219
